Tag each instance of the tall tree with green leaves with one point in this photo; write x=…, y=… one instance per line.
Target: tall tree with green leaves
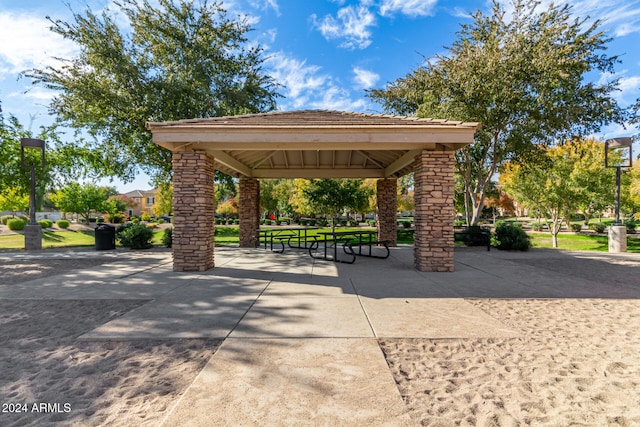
x=561, y=181
x=164, y=200
x=14, y=200
x=12, y=175
x=82, y=199
x=170, y=60
x=332, y=196
x=524, y=76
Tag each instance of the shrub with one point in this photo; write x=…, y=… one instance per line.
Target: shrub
x=6, y=218
x=62, y=223
x=510, y=236
x=116, y=218
x=406, y=224
x=236, y=221
x=631, y=226
x=538, y=226
x=145, y=217
x=45, y=223
x=16, y=224
x=167, y=237
x=160, y=221
x=135, y=221
x=576, y=227
x=598, y=227
x=135, y=236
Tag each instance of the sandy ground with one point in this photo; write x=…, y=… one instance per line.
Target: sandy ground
x=128, y=383
x=577, y=363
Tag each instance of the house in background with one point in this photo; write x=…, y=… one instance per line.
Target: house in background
x=145, y=200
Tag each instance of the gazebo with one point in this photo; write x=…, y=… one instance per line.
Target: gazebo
x=312, y=144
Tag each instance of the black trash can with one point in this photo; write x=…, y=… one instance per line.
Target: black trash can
x=105, y=237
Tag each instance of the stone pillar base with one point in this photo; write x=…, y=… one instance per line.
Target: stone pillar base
x=434, y=211
x=249, y=212
x=617, y=238
x=33, y=237
x=387, y=197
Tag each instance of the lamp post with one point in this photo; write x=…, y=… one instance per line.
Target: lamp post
x=32, y=231
x=617, y=154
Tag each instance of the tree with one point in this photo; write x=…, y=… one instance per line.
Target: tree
x=12, y=174
x=630, y=194
x=268, y=202
x=524, y=76
x=594, y=184
x=14, y=199
x=227, y=208
x=164, y=200
x=561, y=181
x=332, y=196
x=540, y=188
x=119, y=203
x=82, y=200
x=181, y=59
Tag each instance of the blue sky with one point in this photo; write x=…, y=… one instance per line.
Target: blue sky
x=324, y=52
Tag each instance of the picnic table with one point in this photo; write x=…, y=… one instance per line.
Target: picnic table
x=284, y=235
x=472, y=236
x=330, y=240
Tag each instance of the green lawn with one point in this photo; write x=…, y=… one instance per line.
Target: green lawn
x=61, y=239
x=51, y=239
x=581, y=242
x=229, y=235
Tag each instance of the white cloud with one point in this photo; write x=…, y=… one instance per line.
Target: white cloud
x=629, y=90
x=32, y=43
x=365, y=79
x=352, y=24
x=300, y=80
x=621, y=18
x=630, y=84
x=336, y=98
x=266, y=4
x=308, y=87
x=268, y=37
x=407, y=7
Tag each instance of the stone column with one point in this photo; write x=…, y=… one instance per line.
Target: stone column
x=434, y=211
x=249, y=211
x=387, y=201
x=193, y=211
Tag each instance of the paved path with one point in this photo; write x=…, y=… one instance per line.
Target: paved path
x=301, y=336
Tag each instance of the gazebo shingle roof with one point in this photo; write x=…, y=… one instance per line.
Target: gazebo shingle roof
x=313, y=143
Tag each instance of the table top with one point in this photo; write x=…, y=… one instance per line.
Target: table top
x=288, y=228
x=346, y=233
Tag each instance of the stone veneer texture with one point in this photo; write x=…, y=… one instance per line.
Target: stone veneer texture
x=387, y=201
x=193, y=211
x=434, y=211
x=249, y=212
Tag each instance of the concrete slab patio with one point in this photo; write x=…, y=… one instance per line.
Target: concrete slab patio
x=301, y=335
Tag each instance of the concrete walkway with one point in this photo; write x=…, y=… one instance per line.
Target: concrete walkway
x=301, y=335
